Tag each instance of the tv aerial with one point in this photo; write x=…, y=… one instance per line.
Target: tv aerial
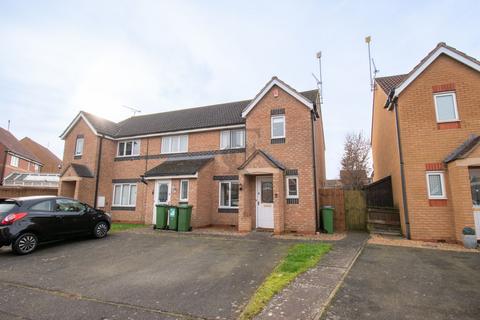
x=134, y=110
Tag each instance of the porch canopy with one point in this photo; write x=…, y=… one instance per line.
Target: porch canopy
x=178, y=167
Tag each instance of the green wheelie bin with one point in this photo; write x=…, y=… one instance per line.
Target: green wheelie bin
x=172, y=218
x=161, y=216
x=184, y=217
x=327, y=218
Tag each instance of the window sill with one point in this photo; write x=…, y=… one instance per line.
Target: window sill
x=228, y=210
x=123, y=208
x=448, y=125
x=77, y=157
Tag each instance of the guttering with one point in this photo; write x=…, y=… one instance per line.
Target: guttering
x=97, y=178
x=169, y=133
x=186, y=176
x=402, y=170
x=314, y=157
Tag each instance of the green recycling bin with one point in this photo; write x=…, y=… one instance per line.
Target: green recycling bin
x=327, y=218
x=162, y=217
x=172, y=218
x=184, y=217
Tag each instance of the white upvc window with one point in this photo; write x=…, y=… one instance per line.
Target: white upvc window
x=14, y=161
x=278, y=126
x=124, y=194
x=37, y=168
x=446, y=107
x=228, y=197
x=292, y=187
x=128, y=148
x=175, y=144
x=79, y=146
x=183, y=190
x=436, y=185
x=232, y=139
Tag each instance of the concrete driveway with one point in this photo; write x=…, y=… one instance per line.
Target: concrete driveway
x=136, y=276
x=389, y=282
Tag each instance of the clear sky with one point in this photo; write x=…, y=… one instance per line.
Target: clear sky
x=60, y=57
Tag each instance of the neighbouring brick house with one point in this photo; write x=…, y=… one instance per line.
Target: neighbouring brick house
x=51, y=163
x=425, y=134
x=14, y=157
x=254, y=163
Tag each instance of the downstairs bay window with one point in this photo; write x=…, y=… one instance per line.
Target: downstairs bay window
x=229, y=194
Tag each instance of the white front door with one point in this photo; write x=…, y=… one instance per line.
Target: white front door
x=264, y=202
x=476, y=216
x=162, y=194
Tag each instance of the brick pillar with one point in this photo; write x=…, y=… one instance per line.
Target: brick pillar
x=461, y=197
x=278, y=202
x=244, y=215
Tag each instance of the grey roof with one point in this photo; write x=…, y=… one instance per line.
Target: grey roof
x=178, y=167
x=81, y=170
x=267, y=156
x=103, y=126
x=463, y=149
x=12, y=144
x=390, y=82
x=217, y=115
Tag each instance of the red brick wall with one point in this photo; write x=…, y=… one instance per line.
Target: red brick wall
x=12, y=192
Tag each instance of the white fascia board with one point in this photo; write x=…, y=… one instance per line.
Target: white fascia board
x=172, y=133
x=24, y=158
x=273, y=82
x=433, y=57
x=74, y=122
x=191, y=176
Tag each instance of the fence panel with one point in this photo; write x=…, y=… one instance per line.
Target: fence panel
x=355, y=209
x=379, y=193
x=12, y=192
x=334, y=197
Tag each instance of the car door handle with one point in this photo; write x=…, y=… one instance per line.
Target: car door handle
x=59, y=217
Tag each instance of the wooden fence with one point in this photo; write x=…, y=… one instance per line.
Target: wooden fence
x=12, y=192
x=350, y=208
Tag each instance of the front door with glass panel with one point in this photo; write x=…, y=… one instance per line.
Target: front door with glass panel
x=162, y=195
x=264, y=202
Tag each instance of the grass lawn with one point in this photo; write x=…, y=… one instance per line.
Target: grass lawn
x=299, y=259
x=124, y=226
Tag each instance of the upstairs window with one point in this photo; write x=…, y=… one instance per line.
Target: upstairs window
x=79, y=146
x=232, y=139
x=37, y=168
x=14, y=161
x=278, y=127
x=436, y=185
x=446, y=107
x=128, y=148
x=175, y=144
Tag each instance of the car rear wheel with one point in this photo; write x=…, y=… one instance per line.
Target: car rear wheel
x=25, y=244
x=100, y=230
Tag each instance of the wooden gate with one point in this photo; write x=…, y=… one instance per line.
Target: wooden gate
x=355, y=210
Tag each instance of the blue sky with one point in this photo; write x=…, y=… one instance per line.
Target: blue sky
x=60, y=57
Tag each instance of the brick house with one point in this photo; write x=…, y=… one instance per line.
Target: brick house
x=253, y=163
x=51, y=163
x=14, y=157
x=425, y=133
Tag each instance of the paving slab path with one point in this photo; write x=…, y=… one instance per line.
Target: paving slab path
x=307, y=296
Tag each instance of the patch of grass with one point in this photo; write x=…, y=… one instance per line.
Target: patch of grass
x=299, y=259
x=116, y=227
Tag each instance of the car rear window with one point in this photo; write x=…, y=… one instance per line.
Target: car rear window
x=7, y=205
